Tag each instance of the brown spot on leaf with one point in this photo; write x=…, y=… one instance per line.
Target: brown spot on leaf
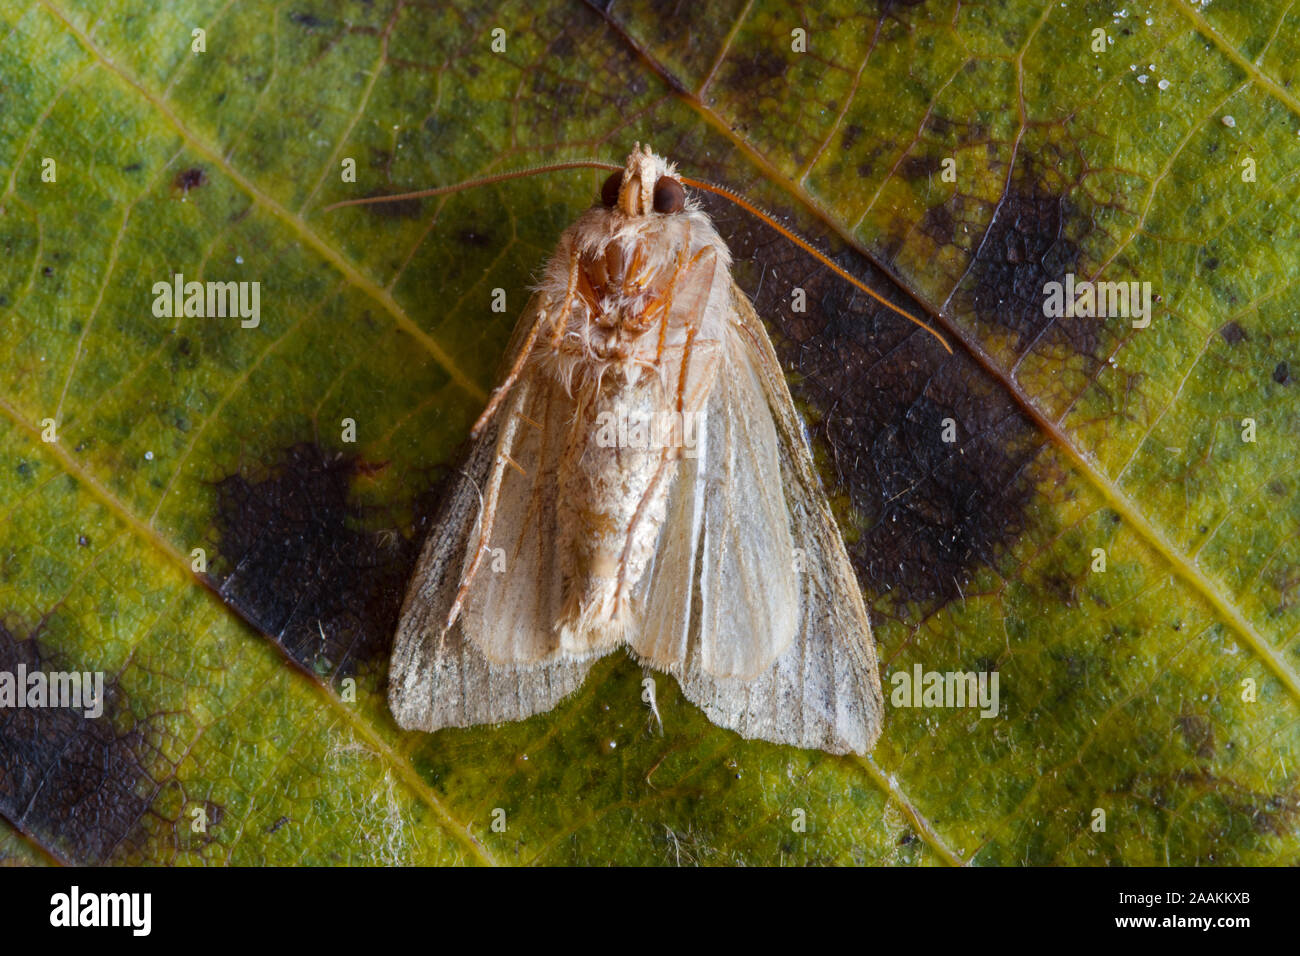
x=470, y=237
x=941, y=126
x=1276, y=814
x=191, y=178
x=1282, y=374
x=938, y=224
x=1061, y=586
x=76, y=784
x=930, y=512
x=562, y=47
x=300, y=567
x=1198, y=734
x=919, y=167
x=1233, y=333
x=1270, y=814
x=763, y=65
x=307, y=20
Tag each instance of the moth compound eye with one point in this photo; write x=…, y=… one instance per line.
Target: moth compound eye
x=669, y=195
x=609, y=191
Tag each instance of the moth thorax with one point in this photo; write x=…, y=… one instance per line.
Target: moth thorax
x=623, y=284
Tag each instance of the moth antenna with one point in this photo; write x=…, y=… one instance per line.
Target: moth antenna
x=480, y=181
x=811, y=250
x=696, y=183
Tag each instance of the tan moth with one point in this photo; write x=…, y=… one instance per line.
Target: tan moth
x=640, y=479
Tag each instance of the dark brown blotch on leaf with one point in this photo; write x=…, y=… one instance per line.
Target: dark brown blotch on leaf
x=295, y=563
x=879, y=389
x=191, y=178
x=76, y=785
x=1233, y=333
x=1025, y=247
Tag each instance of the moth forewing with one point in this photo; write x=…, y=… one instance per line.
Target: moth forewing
x=780, y=650
x=513, y=596
x=742, y=567
x=437, y=677
x=824, y=690
x=716, y=559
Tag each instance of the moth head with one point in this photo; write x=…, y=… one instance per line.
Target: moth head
x=647, y=185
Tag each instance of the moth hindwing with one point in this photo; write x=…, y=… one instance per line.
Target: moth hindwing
x=640, y=479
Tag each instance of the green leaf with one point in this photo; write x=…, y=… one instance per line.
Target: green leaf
x=1162, y=691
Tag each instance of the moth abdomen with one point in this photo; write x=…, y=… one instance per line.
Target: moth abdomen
x=616, y=473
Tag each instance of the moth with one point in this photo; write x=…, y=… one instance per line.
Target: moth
x=707, y=548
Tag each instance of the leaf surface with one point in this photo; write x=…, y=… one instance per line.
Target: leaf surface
x=244, y=718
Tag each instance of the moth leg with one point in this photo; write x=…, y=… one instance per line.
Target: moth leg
x=526, y=350
x=501, y=391
x=667, y=455
x=660, y=474
x=575, y=275
x=664, y=302
x=504, y=445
